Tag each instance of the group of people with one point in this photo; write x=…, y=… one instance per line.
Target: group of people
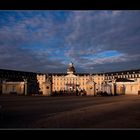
x=70, y=93
x=81, y=92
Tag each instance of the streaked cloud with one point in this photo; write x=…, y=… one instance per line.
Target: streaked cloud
x=45, y=41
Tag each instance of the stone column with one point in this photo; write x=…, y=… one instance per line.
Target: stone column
x=114, y=87
x=50, y=89
x=94, y=89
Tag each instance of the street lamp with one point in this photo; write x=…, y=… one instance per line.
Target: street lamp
x=25, y=85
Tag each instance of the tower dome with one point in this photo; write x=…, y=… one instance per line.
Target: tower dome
x=71, y=69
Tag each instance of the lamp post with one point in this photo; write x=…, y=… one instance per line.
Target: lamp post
x=25, y=86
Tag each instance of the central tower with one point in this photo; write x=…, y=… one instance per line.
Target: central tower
x=71, y=69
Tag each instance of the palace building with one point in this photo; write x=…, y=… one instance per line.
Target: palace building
x=120, y=82
x=70, y=83
x=18, y=82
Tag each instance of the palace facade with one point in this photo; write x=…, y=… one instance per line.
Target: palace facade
x=120, y=82
x=71, y=82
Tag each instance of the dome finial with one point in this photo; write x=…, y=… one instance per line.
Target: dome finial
x=71, y=64
x=71, y=68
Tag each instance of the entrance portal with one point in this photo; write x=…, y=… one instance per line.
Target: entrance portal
x=71, y=87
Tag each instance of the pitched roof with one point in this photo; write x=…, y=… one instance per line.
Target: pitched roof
x=123, y=80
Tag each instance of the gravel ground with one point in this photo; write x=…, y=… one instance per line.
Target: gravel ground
x=70, y=112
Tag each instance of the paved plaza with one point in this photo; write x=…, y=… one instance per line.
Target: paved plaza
x=70, y=112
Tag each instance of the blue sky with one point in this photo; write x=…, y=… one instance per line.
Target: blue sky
x=47, y=40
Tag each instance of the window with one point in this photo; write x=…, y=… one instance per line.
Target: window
x=6, y=87
x=14, y=88
x=131, y=88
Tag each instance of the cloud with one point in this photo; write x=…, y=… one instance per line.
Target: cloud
x=99, y=31
x=47, y=40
